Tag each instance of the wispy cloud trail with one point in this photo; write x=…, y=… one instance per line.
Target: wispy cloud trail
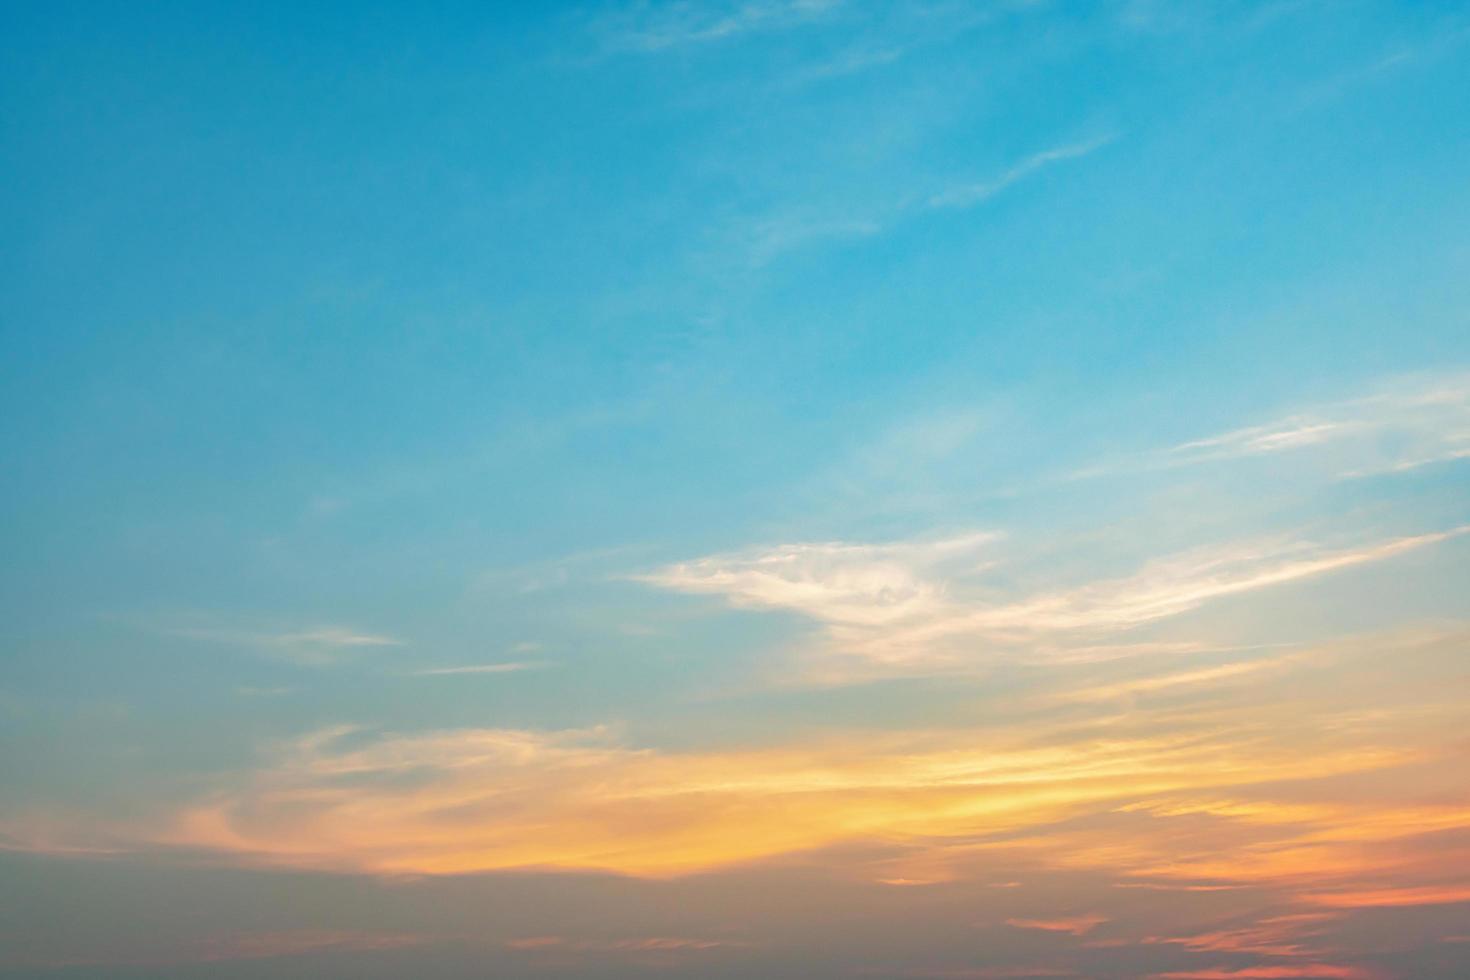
x=969, y=195
x=1408, y=424
x=917, y=605
x=315, y=647
x=505, y=668
x=655, y=27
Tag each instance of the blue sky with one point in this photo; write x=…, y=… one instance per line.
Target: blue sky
x=397, y=394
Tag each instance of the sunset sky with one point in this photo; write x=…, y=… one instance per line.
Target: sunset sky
x=952, y=489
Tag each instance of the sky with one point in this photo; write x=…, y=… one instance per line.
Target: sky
x=822, y=489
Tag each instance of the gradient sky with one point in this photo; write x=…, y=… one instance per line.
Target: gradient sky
x=955, y=489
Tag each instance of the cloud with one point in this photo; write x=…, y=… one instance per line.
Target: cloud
x=849, y=62
x=764, y=239
x=1247, y=671
x=968, y=195
x=1449, y=894
x=1277, y=935
x=834, y=582
x=1076, y=925
x=774, y=236
x=1180, y=583
x=1302, y=971
x=650, y=944
x=316, y=647
x=1444, y=40
x=1408, y=424
x=650, y=28
x=995, y=973
x=1288, y=434
x=479, y=799
x=264, y=692
x=1164, y=787
x=918, y=605
x=504, y=668
x=1247, y=803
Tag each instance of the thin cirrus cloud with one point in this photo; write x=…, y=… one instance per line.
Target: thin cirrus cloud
x=772, y=237
x=918, y=605
x=315, y=647
x=765, y=239
x=835, y=582
x=1407, y=424
x=501, y=668
x=650, y=28
x=971, y=194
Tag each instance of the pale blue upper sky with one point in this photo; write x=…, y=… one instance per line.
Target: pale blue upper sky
x=343, y=346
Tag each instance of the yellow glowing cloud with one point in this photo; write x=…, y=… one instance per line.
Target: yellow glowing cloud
x=1280, y=786
x=480, y=800
x=484, y=799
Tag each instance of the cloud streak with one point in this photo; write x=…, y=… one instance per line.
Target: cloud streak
x=1077, y=925
x=650, y=28
x=1408, y=424
x=969, y=195
x=316, y=647
x=504, y=668
x=923, y=605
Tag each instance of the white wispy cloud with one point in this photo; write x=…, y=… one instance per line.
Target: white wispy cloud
x=774, y=236
x=768, y=237
x=1291, y=433
x=968, y=195
x=765, y=237
x=504, y=668
x=1407, y=424
x=835, y=582
x=314, y=647
x=655, y=27
x=849, y=62
x=918, y=606
x=1448, y=38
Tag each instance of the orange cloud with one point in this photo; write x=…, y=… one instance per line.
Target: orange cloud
x=1279, y=935
x=1392, y=897
x=482, y=799
x=1336, y=786
x=1305, y=971
x=1077, y=925
x=651, y=944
